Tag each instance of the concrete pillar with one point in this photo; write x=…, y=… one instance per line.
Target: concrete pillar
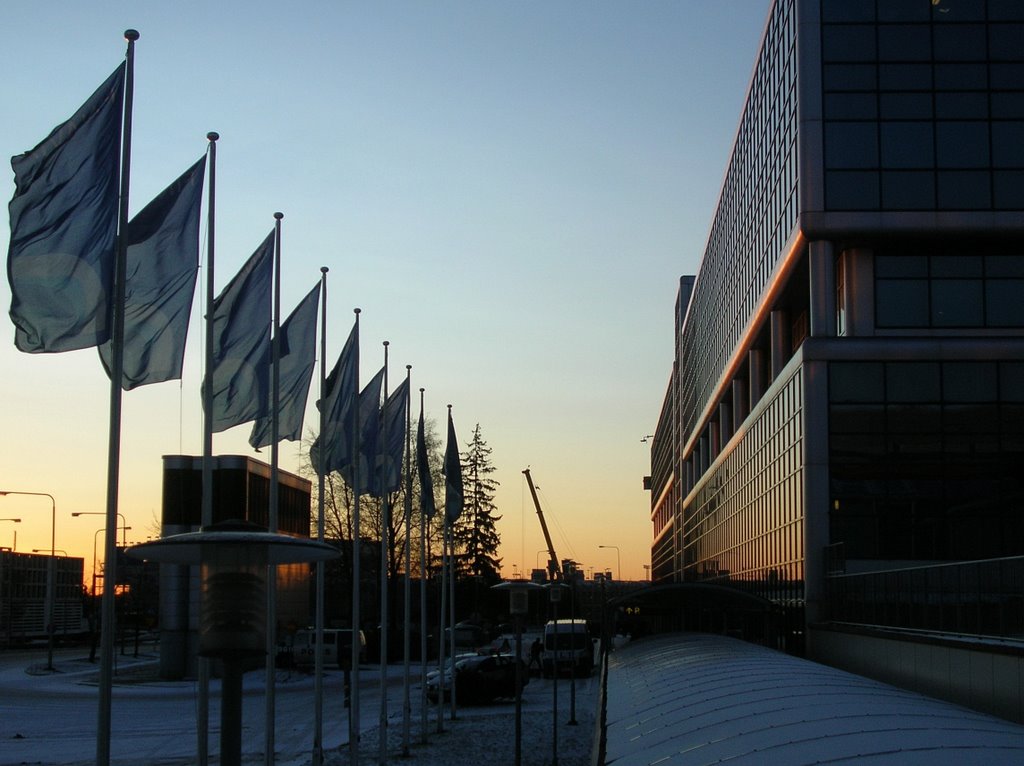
x=858, y=291
x=740, y=403
x=755, y=372
x=781, y=342
x=821, y=268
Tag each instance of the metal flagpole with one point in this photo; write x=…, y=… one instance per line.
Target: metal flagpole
x=385, y=521
x=423, y=613
x=206, y=513
x=270, y=699
x=114, y=453
x=353, y=727
x=407, y=617
x=451, y=586
x=318, y=723
x=441, y=647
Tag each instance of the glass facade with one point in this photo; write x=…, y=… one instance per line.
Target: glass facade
x=745, y=526
x=925, y=460
x=923, y=104
x=940, y=287
x=756, y=214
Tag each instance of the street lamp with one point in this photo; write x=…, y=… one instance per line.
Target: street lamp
x=618, y=560
x=50, y=573
x=54, y=552
x=16, y=521
x=234, y=558
x=124, y=540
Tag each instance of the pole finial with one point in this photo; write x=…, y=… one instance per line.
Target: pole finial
x=387, y=343
x=357, y=311
x=422, y=389
x=213, y=135
x=131, y=35
x=324, y=269
x=408, y=366
x=278, y=216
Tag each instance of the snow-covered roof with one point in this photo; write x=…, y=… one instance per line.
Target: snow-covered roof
x=702, y=699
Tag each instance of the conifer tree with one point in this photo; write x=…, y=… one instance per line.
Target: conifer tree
x=476, y=535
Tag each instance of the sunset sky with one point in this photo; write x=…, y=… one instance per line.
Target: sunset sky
x=508, y=190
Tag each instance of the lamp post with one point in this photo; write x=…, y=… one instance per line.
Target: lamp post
x=236, y=559
x=518, y=605
x=16, y=521
x=50, y=573
x=618, y=560
x=53, y=552
x=2, y=601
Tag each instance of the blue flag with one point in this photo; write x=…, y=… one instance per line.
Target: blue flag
x=295, y=369
x=358, y=470
x=427, y=507
x=162, y=262
x=341, y=396
x=60, y=260
x=453, y=491
x=387, y=476
x=241, y=341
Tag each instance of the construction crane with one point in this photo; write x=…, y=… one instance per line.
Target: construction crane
x=554, y=569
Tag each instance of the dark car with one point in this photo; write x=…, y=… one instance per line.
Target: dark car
x=481, y=678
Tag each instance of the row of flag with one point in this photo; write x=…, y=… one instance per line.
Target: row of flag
x=83, y=275
x=61, y=268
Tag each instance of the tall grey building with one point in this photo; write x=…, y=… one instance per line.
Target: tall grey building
x=842, y=439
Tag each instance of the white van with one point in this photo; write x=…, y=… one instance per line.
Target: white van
x=567, y=648
x=337, y=647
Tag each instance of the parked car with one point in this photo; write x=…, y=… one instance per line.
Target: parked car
x=479, y=678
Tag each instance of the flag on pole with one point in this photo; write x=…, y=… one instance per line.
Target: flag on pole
x=387, y=476
x=241, y=342
x=339, y=407
x=162, y=263
x=427, y=507
x=364, y=457
x=60, y=259
x=453, y=492
x=298, y=357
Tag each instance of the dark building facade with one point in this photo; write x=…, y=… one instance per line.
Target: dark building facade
x=844, y=427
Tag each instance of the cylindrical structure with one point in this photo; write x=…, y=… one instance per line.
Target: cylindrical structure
x=233, y=612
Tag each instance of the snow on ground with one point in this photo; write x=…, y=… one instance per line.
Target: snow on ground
x=49, y=718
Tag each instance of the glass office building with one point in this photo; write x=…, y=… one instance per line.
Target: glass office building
x=843, y=432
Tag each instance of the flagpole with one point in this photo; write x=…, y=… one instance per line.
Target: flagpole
x=406, y=679
x=270, y=725
x=353, y=718
x=206, y=509
x=423, y=610
x=385, y=521
x=451, y=586
x=114, y=453
x=318, y=724
x=441, y=639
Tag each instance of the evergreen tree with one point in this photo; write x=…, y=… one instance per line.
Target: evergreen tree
x=476, y=538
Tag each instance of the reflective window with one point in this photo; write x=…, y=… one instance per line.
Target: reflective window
x=1008, y=144
x=852, y=42
x=965, y=190
x=851, y=190
x=901, y=303
x=957, y=303
x=962, y=144
x=851, y=145
x=905, y=42
x=907, y=145
x=908, y=190
x=912, y=382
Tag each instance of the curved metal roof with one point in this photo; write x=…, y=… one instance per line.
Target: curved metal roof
x=690, y=698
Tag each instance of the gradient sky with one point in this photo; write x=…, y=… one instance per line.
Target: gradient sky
x=508, y=190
